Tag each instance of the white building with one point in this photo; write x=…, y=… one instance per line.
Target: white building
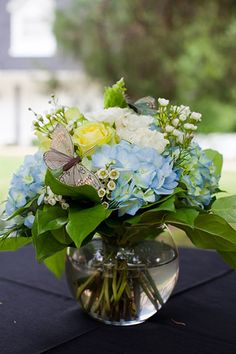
x=30, y=66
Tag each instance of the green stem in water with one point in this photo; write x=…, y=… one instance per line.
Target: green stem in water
x=82, y=287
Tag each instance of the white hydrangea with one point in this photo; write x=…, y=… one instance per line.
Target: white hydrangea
x=108, y=115
x=132, y=127
x=144, y=137
x=133, y=121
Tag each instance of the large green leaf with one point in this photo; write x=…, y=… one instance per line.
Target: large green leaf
x=50, y=218
x=56, y=263
x=185, y=216
x=216, y=158
x=82, y=222
x=85, y=192
x=210, y=231
x=229, y=257
x=13, y=243
x=154, y=216
x=115, y=96
x=46, y=245
x=226, y=208
x=48, y=238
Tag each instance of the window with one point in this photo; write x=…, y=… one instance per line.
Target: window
x=31, y=28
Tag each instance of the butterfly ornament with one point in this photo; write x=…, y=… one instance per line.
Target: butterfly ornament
x=61, y=157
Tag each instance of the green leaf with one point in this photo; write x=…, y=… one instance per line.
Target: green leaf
x=50, y=218
x=56, y=263
x=229, y=258
x=226, y=208
x=13, y=243
x=46, y=244
x=211, y=232
x=85, y=192
x=83, y=222
x=185, y=216
x=22, y=209
x=115, y=96
x=216, y=158
x=154, y=216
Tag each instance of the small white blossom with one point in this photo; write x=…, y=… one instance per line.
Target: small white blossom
x=176, y=132
x=184, y=110
x=114, y=174
x=196, y=116
x=189, y=126
x=182, y=117
x=58, y=198
x=106, y=205
x=102, y=173
x=163, y=102
x=175, y=122
x=180, y=137
x=65, y=205
x=52, y=201
x=169, y=128
x=101, y=192
x=111, y=185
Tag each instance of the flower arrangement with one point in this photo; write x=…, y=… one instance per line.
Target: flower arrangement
x=129, y=164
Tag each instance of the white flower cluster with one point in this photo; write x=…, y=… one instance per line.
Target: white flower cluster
x=177, y=122
x=108, y=177
x=52, y=199
x=131, y=127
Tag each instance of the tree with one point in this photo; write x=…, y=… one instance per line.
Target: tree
x=180, y=50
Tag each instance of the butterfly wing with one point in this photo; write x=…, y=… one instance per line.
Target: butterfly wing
x=84, y=176
x=145, y=105
x=79, y=175
x=61, y=141
x=55, y=159
x=68, y=177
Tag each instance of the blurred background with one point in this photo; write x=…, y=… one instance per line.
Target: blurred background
x=181, y=50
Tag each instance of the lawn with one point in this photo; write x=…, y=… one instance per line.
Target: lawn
x=9, y=165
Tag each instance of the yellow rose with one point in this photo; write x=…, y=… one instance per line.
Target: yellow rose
x=92, y=134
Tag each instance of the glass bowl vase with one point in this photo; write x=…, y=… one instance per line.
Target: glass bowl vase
x=124, y=284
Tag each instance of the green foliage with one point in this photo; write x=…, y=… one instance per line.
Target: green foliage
x=115, y=96
x=48, y=232
x=216, y=158
x=13, y=243
x=209, y=231
x=56, y=263
x=226, y=208
x=180, y=50
x=82, y=222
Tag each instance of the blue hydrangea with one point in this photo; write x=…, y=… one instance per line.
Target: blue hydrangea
x=26, y=184
x=145, y=175
x=198, y=173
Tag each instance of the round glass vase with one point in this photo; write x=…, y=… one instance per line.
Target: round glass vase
x=124, y=284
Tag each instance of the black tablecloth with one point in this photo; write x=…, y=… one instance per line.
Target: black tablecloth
x=38, y=314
